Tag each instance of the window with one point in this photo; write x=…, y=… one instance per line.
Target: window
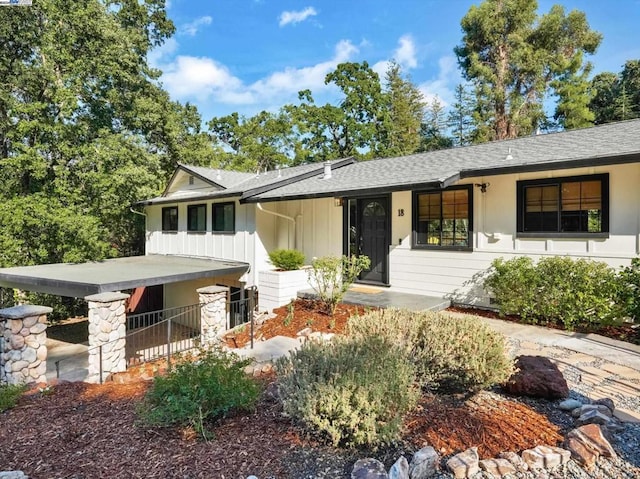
x=569, y=206
x=170, y=218
x=224, y=217
x=443, y=218
x=197, y=218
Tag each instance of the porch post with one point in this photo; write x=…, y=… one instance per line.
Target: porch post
x=23, y=348
x=107, y=328
x=213, y=315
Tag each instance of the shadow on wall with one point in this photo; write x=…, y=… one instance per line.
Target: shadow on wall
x=472, y=292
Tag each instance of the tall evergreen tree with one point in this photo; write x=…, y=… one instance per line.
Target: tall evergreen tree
x=460, y=118
x=512, y=55
x=405, y=109
x=433, y=130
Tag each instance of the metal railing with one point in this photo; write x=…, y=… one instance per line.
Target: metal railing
x=159, y=334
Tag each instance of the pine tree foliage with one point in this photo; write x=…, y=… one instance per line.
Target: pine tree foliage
x=512, y=56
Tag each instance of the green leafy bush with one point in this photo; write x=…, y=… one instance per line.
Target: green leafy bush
x=9, y=395
x=556, y=290
x=331, y=276
x=450, y=354
x=198, y=390
x=629, y=289
x=354, y=391
x=286, y=259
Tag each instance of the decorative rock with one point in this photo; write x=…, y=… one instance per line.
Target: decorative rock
x=570, y=404
x=577, y=412
x=608, y=402
x=497, y=467
x=516, y=460
x=591, y=436
x=465, y=464
x=13, y=475
x=601, y=408
x=29, y=321
x=545, y=457
x=252, y=477
x=425, y=463
x=369, y=469
x=581, y=453
x=537, y=376
x=400, y=470
x=593, y=417
x=29, y=355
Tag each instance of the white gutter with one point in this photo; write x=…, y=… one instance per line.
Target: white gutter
x=288, y=218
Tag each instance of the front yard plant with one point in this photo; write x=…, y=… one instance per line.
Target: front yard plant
x=9, y=395
x=450, y=354
x=331, y=276
x=286, y=259
x=556, y=290
x=199, y=390
x=353, y=391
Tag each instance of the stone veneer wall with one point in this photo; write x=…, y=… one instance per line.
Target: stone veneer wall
x=213, y=320
x=107, y=328
x=23, y=350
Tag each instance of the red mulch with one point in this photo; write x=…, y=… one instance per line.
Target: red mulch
x=307, y=313
x=492, y=425
x=622, y=332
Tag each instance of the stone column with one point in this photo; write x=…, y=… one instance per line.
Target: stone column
x=23, y=353
x=107, y=328
x=213, y=315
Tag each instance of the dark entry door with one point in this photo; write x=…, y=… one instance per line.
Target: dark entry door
x=373, y=237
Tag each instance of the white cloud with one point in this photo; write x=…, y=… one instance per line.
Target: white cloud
x=204, y=79
x=192, y=28
x=294, y=17
x=443, y=86
x=292, y=80
x=405, y=54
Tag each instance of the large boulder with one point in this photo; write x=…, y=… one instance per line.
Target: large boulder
x=537, y=376
x=369, y=468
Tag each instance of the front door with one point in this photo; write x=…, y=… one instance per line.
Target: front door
x=368, y=235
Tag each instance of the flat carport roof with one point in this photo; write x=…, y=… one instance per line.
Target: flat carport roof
x=84, y=279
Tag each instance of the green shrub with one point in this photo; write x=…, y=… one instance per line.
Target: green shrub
x=451, y=354
x=354, y=391
x=286, y=259
x=629, y=289
x=556, y=289
x=9, y=395
x=198, y=390
x=331, y=276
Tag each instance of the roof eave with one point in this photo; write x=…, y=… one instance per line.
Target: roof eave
x=633, y=157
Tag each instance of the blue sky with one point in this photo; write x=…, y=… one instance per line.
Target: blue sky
x=253, y=55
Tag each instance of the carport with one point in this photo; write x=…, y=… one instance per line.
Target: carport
x=101, y=283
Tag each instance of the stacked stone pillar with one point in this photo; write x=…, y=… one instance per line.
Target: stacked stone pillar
x=107, y=328
x=213, y=314
x=23, y=349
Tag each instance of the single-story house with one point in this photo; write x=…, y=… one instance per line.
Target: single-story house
x=429, y=221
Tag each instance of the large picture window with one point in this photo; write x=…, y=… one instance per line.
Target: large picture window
x=574, y=205
x=224, y=217
x=197, y=218
x=170, y=218
x=443, y=218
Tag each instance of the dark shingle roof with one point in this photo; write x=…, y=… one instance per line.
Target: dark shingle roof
x=236, y=183
x=605, y=144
